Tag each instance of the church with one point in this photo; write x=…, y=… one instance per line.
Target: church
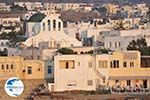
x=48, y=29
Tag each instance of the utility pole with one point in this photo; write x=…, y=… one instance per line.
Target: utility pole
x=32, y=46
x=132, y=15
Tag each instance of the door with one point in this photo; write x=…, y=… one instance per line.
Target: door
x=145, y=83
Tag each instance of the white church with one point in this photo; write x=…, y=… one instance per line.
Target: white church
x=48, y=30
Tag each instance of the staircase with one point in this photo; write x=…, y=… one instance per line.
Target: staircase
x=98, y=73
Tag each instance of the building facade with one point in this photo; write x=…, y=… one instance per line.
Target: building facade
x=16, y=66
x=48, y=30
x=88, y=72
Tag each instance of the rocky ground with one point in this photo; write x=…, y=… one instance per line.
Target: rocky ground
x=90, y=97
x=28, y=84
x=31, y=86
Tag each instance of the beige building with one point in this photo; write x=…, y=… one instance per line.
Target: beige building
x=88, y=72
x=111, y=8
x=10, y=21
x=61, y=6
x=16, y=66
x=68, y=6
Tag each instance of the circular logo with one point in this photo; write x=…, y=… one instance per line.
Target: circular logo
x=14, y=87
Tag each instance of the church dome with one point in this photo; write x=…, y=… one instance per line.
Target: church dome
x=38, y=17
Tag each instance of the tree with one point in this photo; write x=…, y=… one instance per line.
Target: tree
x=18, y=8
x=140, y=45
x=97, y=51
x=119, y=25
x=13, y=37
x=66, y=51
x=4, y=52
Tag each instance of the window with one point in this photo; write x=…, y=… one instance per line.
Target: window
x=23, y=71
x=78, y=63
x=109, y=44
x=119, y=44
x=29, y=70
x=38, y=57
x=7, y=66
x=90, y=64
x=67, y=64
x=115, y=44
x=49, y=25
x=89, y=82
x=2, y=66
x=49, y=69
x=111, y=64
x=114, y=64
x=116, y=81
x=104, y=80
x=124, y=64
x=128, y=82
x=12, y=67
x=43, y=26
x=103, y=64
x=59, y=26
x=39, y=69
x=131, y=64
x=54, y=24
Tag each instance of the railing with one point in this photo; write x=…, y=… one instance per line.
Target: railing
x=98, y=73
x=130, y=91
x=95, y=69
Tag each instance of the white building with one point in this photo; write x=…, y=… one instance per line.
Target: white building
x=4, y=7
x=30, y=5
x=4, y=44
x=88, y=72
x=48, y=29
x=120, y=39
x=76, y=72
x=86, y=29
x=119, y=43
x=86, y=7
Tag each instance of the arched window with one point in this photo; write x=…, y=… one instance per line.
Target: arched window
x=7, y=66
x=54, y=24
x=2, y=66
x=67, y=65
x=59, y=26
x=49, y=25
x=43, y=26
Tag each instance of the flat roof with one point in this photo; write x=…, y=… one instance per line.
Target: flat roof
x=8, y=15
x=128, y=77
x=145, y=56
